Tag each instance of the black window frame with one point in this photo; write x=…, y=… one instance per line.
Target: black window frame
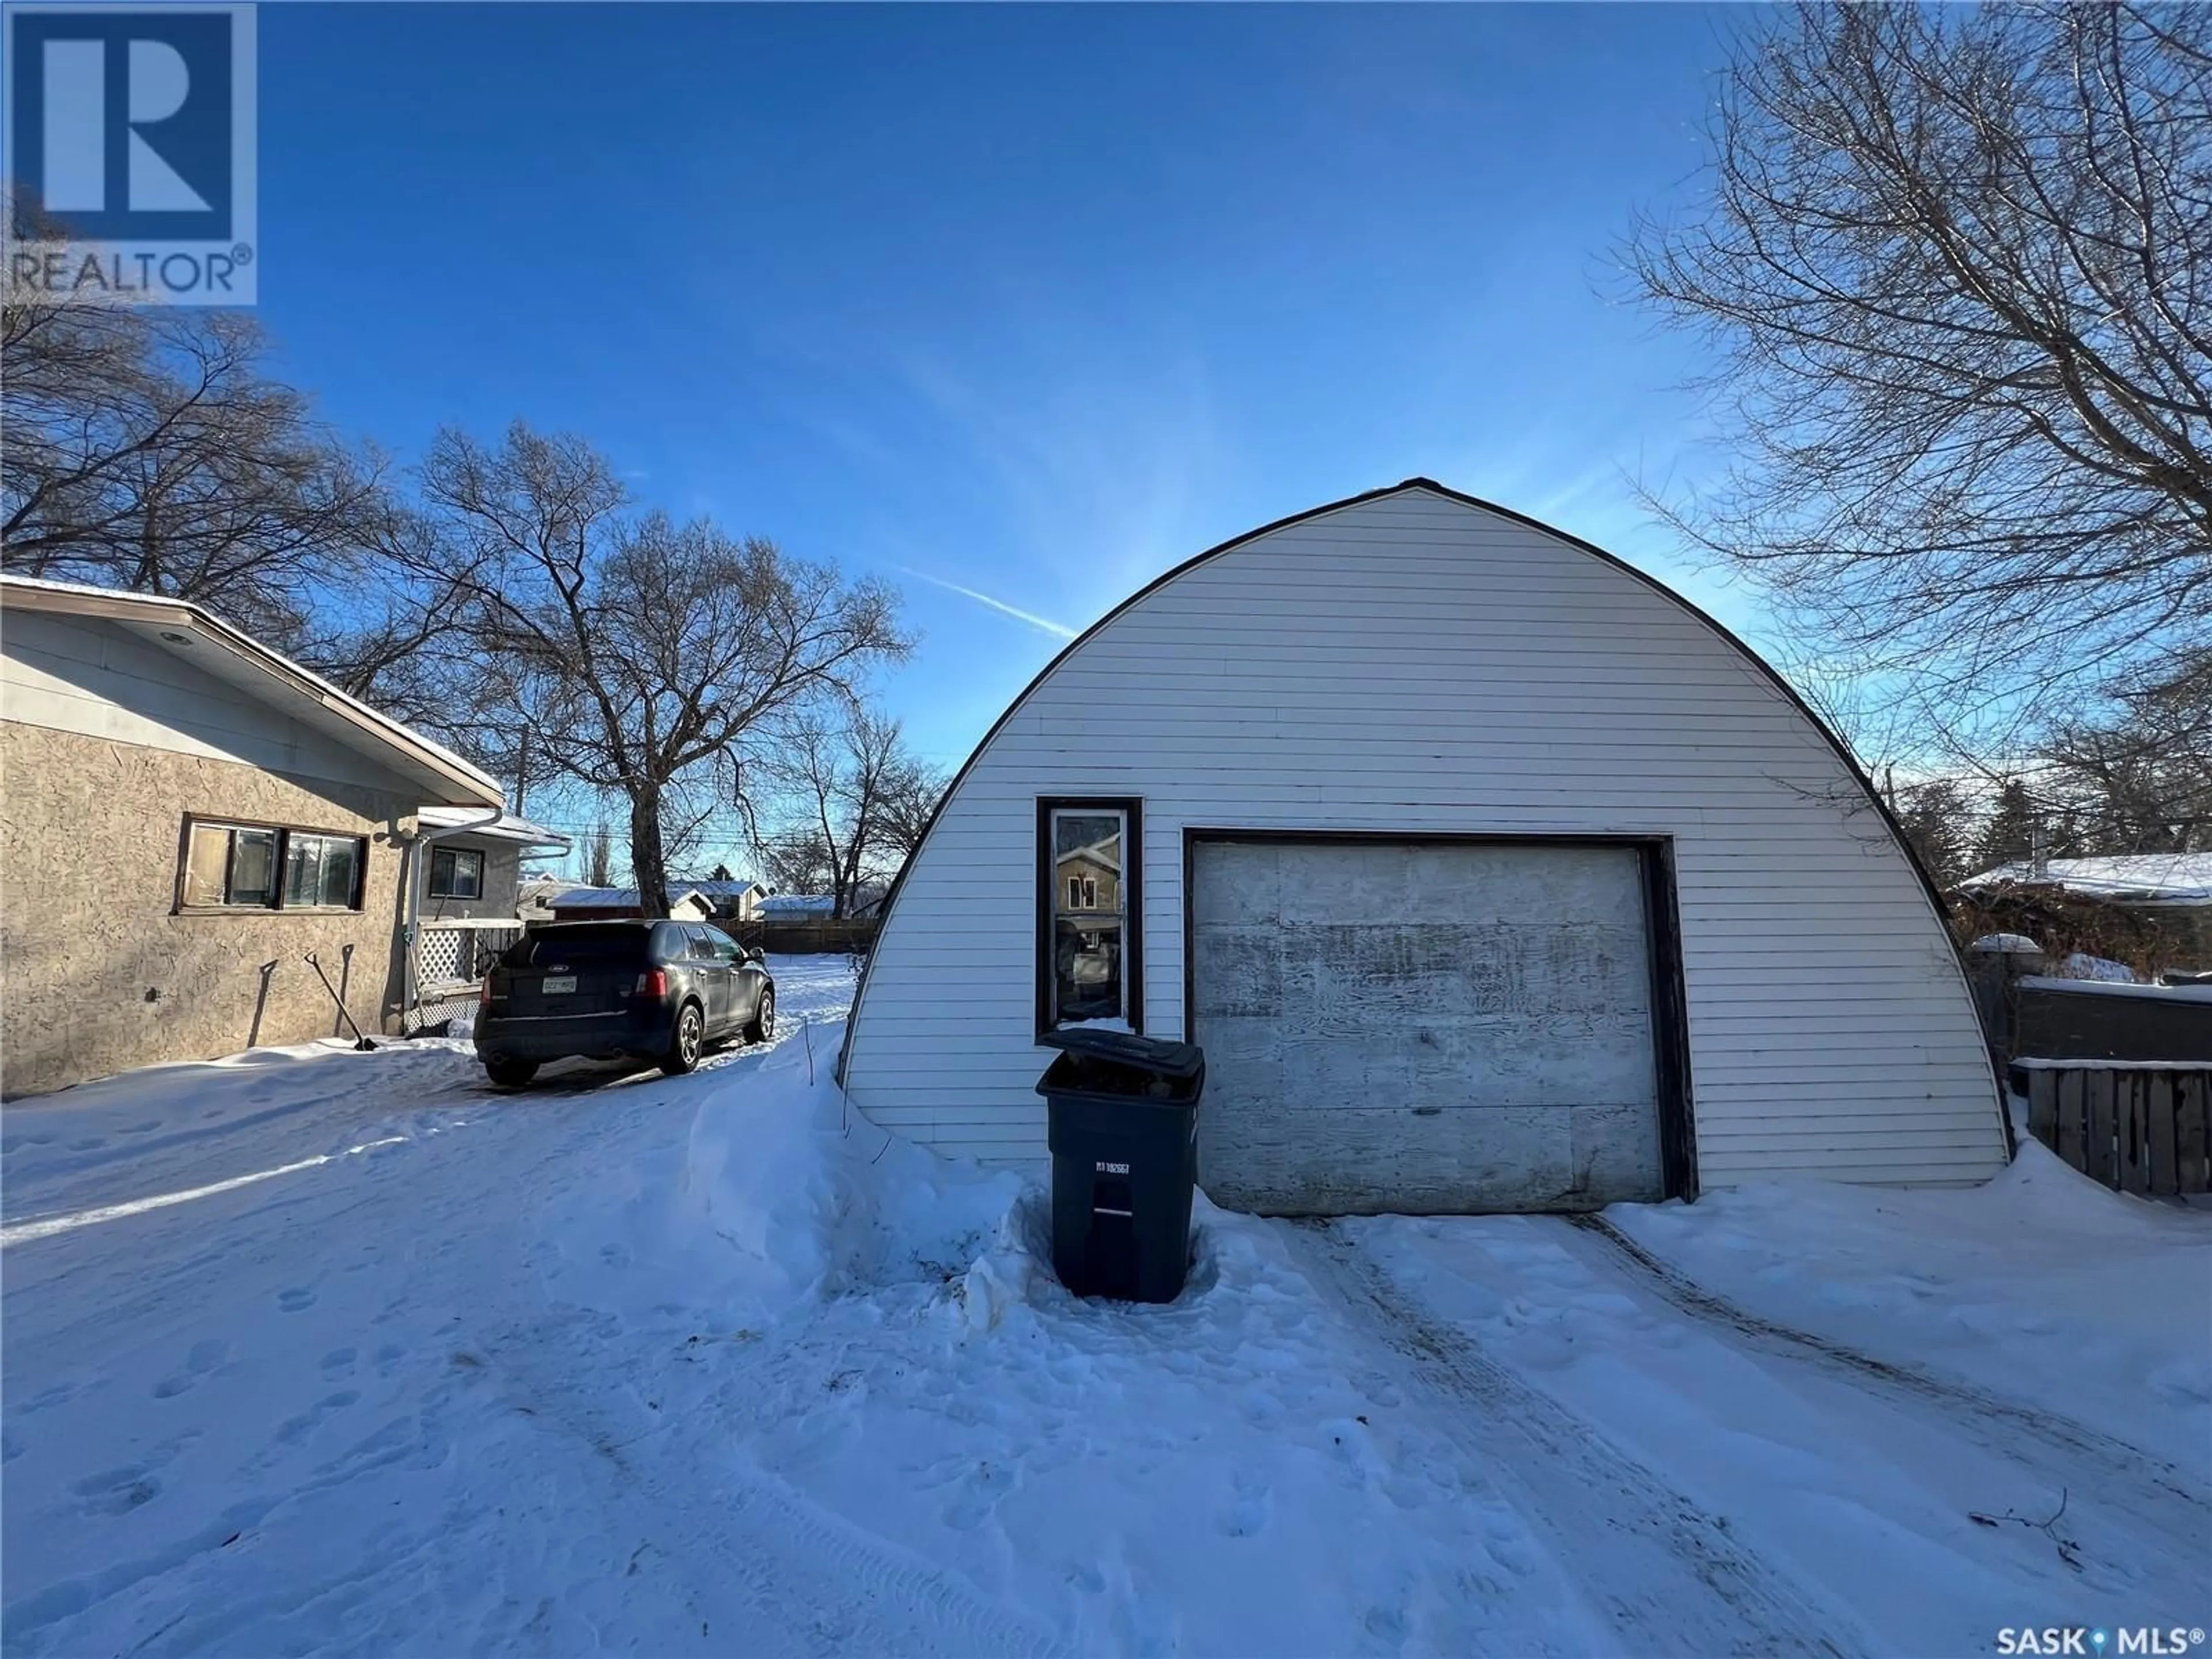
x=456, y=854
x=1131, y=808
x=275, y=904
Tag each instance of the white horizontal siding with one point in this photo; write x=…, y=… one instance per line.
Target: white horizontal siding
x=1411, y=664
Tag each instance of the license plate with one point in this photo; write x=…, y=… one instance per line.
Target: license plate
x=561, y=986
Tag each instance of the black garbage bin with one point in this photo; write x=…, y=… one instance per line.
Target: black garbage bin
x=1123, y=1130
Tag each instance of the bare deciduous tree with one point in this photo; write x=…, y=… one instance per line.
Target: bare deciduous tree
x=1956, y=265
x=2134, y=775
x=643, y=658
x=854, y=803
x=147, y=448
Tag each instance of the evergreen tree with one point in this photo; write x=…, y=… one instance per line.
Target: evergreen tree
x=2009, y=837
x=1936, y=820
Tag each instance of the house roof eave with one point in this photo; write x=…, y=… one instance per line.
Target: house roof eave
x=436, y=769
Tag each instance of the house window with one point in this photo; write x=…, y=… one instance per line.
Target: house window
x=320, y=872
x=251, y=866
x=1088, y=948
x=456, y=872
x=231, y=865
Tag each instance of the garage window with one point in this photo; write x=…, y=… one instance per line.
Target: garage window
x=1088, y=951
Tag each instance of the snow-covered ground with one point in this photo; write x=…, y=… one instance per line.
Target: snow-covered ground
x=400, y=1364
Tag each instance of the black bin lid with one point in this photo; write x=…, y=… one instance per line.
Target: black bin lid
x=1169, y=1060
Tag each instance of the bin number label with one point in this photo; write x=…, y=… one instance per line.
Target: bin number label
x=1113, y=1169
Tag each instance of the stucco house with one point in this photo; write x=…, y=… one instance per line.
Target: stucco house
x=464, y=904
x=189, y=815
x=472, y=870
x=1489, y=873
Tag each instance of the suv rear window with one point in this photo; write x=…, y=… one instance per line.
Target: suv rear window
x=611, y=943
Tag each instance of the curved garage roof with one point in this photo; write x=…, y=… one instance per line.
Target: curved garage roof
x=1415, y=662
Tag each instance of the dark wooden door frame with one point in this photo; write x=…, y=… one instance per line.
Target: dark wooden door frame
x=1670, y=1032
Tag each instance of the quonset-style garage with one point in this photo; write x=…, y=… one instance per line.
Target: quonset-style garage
x=1490, y=874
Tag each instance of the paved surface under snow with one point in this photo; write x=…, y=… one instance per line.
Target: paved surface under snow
x=403, y=1364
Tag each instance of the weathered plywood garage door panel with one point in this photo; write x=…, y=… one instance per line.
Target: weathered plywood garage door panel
x=1423, y=1027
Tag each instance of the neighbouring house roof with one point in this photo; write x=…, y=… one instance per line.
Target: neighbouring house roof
x=734, y=887
x=798, y=904
x=507, y=827
x=198, y=636
x=2116, y=877
x=612, y=898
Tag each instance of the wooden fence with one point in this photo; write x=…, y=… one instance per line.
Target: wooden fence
x=2026, y=1013
x=2142, y=1127
x=849, y=937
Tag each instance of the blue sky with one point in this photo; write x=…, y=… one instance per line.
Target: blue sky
x=1035, y=301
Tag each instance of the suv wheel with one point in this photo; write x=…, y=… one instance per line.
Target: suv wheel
x=511, y=1073
x=763, y=1025
x=683, y=1054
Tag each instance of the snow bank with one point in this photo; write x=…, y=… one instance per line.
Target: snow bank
x=2120, y=988
x=791, y=1200
x=2042, y=1286
x=2081, y=966
x=779, y=1198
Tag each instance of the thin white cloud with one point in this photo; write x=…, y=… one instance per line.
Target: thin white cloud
x=1043, y=624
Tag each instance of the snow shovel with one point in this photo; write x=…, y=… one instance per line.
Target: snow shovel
x=359, y=1043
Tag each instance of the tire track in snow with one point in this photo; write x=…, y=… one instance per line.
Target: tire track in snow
x=2093, y=1459
x=1667, y=1575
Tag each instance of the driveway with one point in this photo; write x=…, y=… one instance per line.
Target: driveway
x=318, y=1352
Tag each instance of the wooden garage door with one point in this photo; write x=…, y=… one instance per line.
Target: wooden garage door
x=1423, y=1027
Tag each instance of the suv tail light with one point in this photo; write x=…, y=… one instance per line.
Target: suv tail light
x=653, y=982
x=484, y=995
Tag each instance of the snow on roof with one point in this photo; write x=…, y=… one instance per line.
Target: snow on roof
x=798, y=904
x=729, y=889
x=2137, y=878
x=610, y=898
x=506, y=827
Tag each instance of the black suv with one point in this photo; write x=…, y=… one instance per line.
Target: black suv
x=655, y=990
